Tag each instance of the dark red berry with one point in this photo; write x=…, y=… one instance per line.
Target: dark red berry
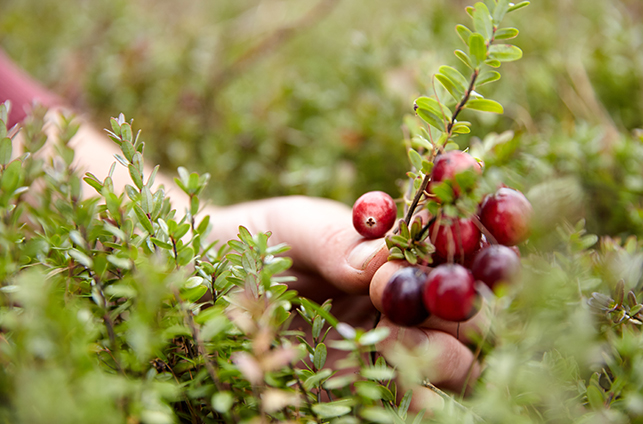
x=402, y=297
x=506, y=215
x=468, y=259
x=495, y=264
x=448, y=164
x=374, y=214
x=455, y=237
x=450, y=293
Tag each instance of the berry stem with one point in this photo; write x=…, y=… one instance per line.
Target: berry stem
x=449, y=128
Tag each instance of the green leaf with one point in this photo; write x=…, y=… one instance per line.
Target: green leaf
x=152, y=177
x=485, y=105
x=128, y=150
x=430, y=118
x=455, y=76
x=415, y=158
x=461, y=128
x=466, y=179
x=245, y=236
x=518, y=6
x=81, y=258
x=482, y=20
x=203, y=225
x=181, y=230
x=378, y=373
x=147, y=200
x=376, y=414
x=193, y=182
x=121, y=290
x=222, y=401
x=410, y=257
x=487, y=77
x=194, y=205
x=464, y=33
x=119, y=262
x=369, y=389
x=126, y=132
x=433, y=105
x=373, y=336
x=316, y=379
x=161, y=244
x=116, y=127
x=137, y=161
x=506, y=33
x=186, y=255
x=6, y=149
x=403, y=408
x=319, y=358
x=193, y=294
x=499, y=11
x=339, y=382
x=443, y=191
x=93, y=182
x=451, y=87
x=504, y=52
x=11, y=177
x=477, y=49
x=309, y=304
x=464, y=58
x=493, y=63
x=595, y=397
x=432, y=112
x=330, y=410
x=143, y=219
x=135, y=176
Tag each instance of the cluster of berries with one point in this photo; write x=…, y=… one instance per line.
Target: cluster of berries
x=481, y=247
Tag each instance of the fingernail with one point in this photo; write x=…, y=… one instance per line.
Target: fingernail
x=361, y=254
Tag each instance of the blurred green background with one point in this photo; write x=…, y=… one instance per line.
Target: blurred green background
x=282, y=97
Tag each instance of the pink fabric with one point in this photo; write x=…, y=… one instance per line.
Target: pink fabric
x=16, y=85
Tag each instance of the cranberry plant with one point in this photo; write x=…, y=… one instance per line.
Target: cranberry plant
x=116, y=307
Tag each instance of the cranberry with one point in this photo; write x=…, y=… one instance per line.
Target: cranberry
x=468, y=259
x=448, y=164
x=506, y=215
x=495, y=264
x=374, y=214
x=459, y=237
x=402, y=297
x=450, y=293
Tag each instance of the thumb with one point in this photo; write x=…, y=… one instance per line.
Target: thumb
x=321, y=236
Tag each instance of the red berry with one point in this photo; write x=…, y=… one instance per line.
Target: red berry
x=468, y=259
x=459, y=237
x=450, y=293
x=402, y=297
x=374, y=214
x=506, y=215
x=448, y=164
x=495, y=264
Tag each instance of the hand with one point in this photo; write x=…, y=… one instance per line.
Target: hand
x=332, y=261
x=436, y=348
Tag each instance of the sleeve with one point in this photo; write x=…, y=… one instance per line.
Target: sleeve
x=22, y=90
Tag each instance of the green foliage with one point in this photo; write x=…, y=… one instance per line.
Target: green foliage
x=319, y=112
x=114, y=307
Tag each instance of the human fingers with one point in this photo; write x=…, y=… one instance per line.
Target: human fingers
x=432, y=354
x=461, y=330
x=320, y=234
